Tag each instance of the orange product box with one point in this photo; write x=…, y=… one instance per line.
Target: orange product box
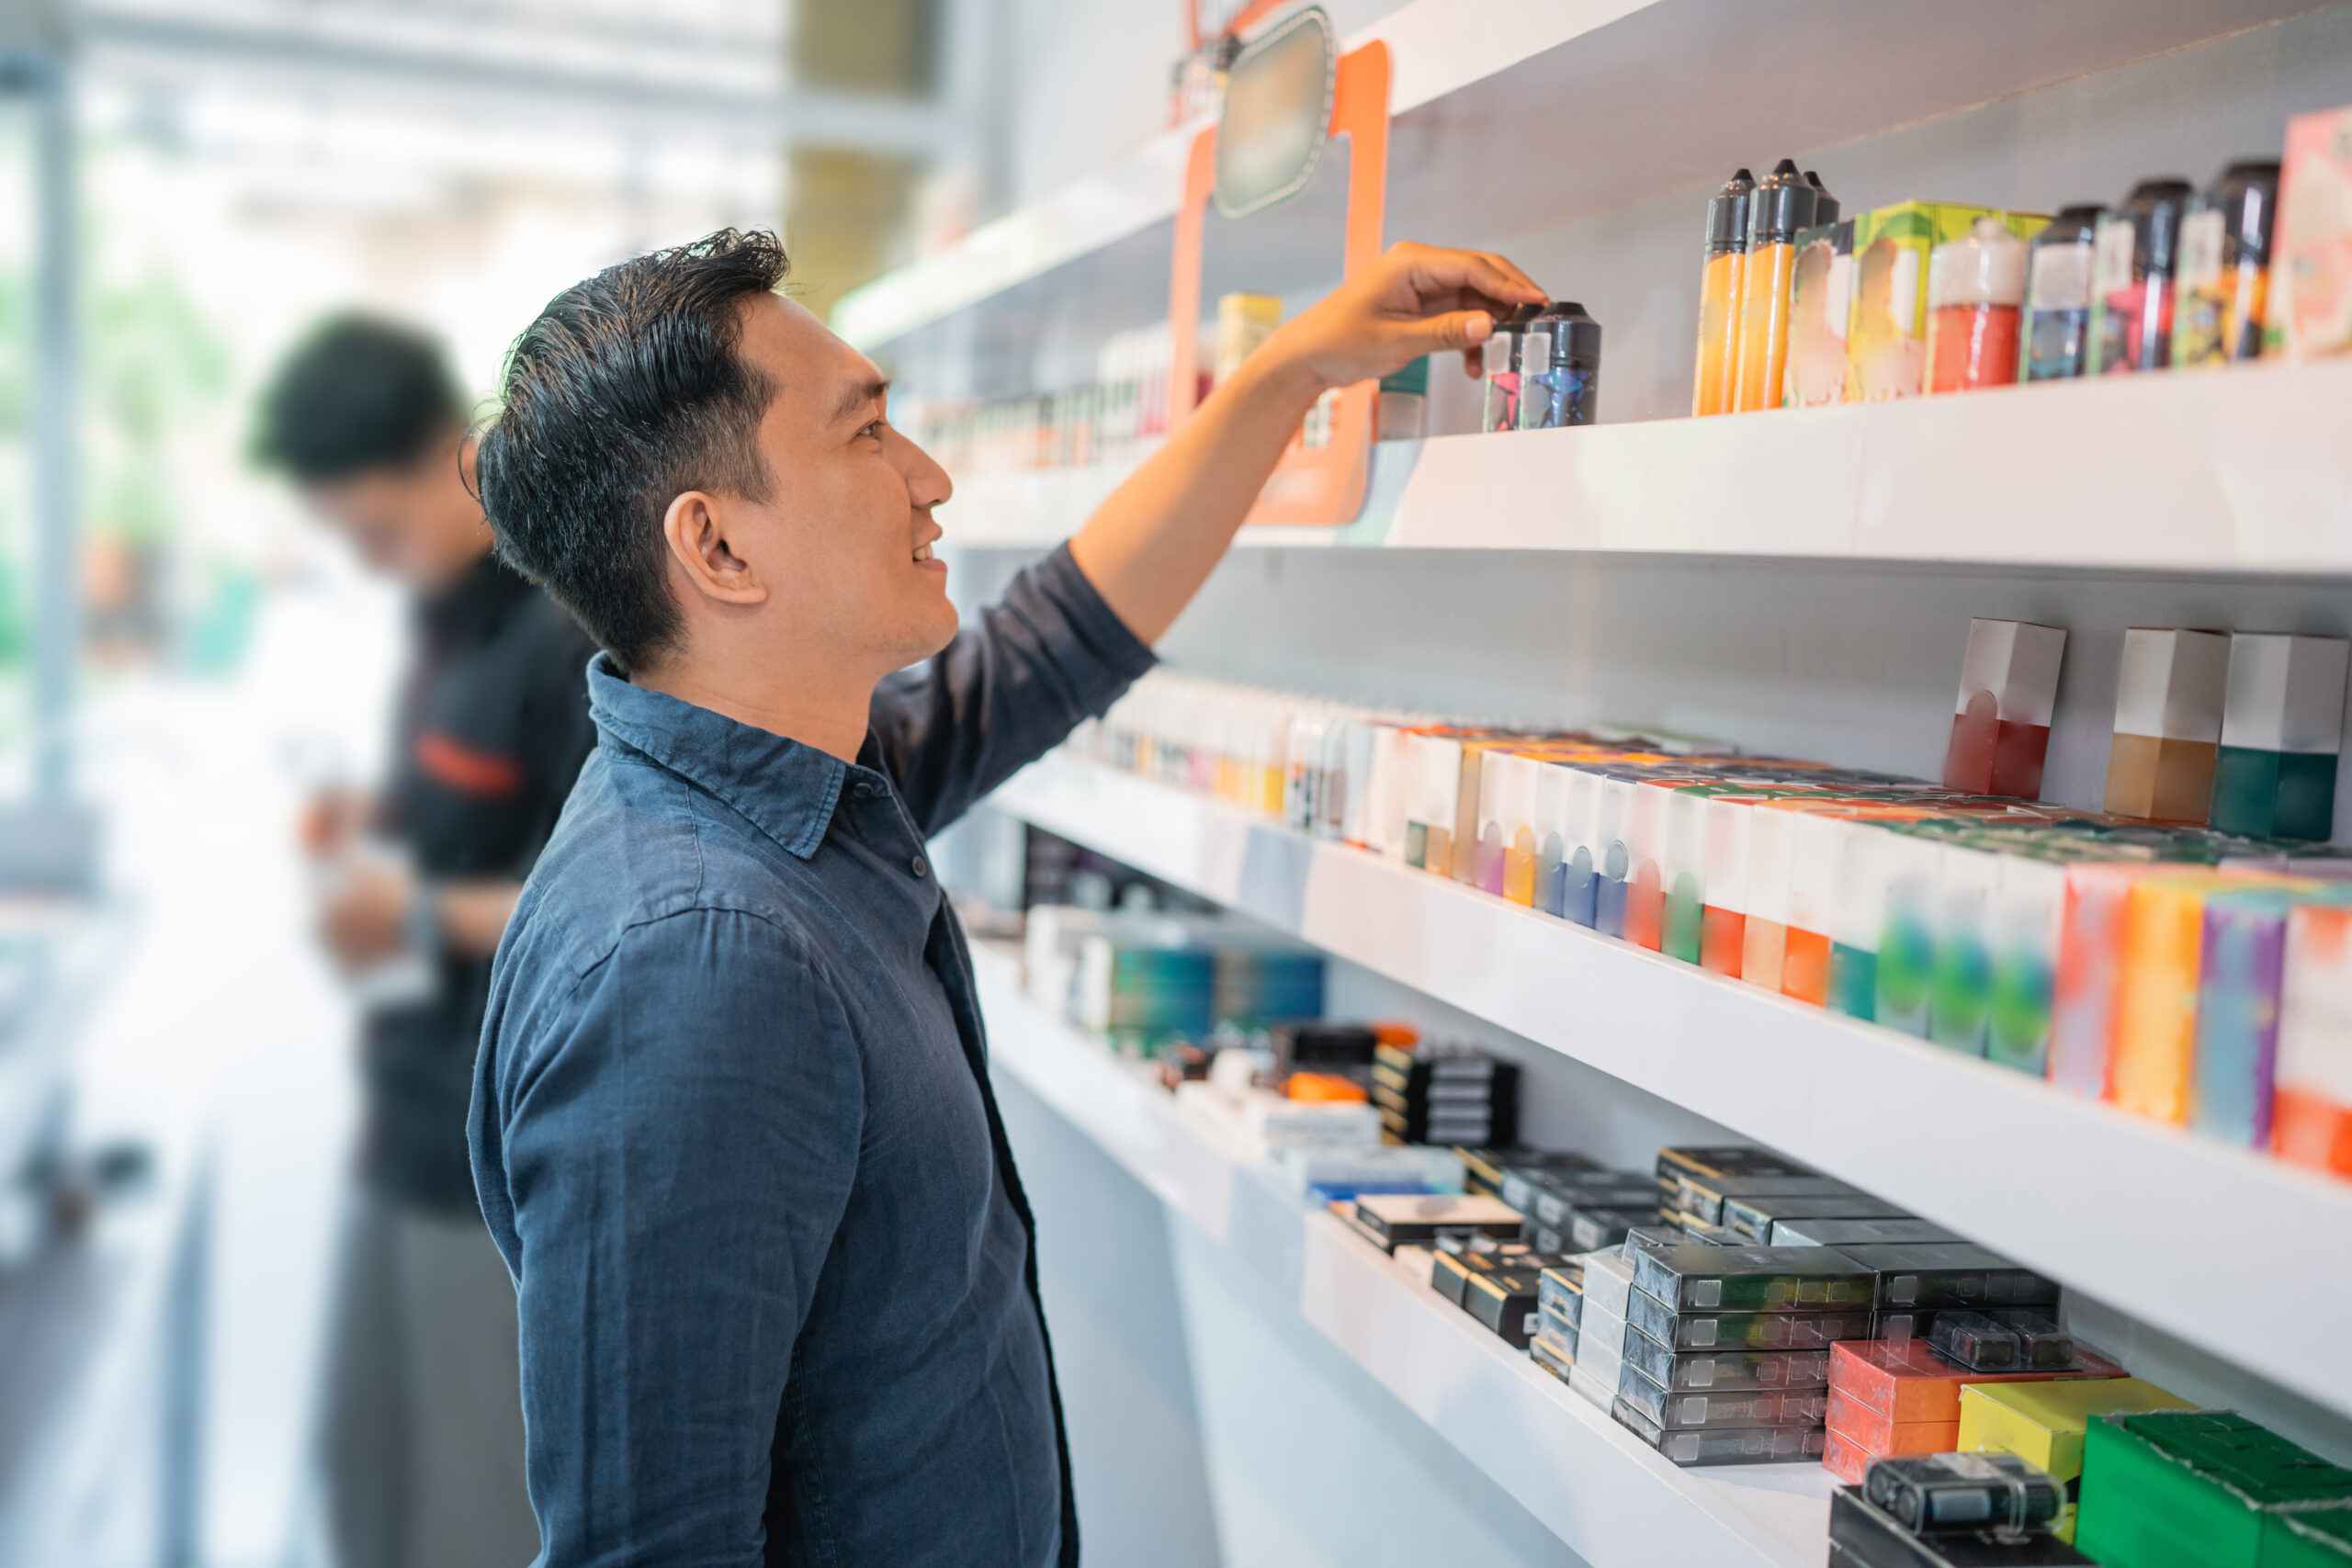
x=2311, y=1121
x=1849, y=1461
x=1904, y=1382
x=1882, y=1436
x=2152, y=1060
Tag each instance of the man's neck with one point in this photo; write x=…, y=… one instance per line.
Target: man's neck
x=832, y=718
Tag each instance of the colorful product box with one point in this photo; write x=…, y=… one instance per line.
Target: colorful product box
x=2000, y=728
x=1772, y=855
x=1886, y=332
x=2280, y=731
x=2241, y=972
x=1723, y=919
x=1821, y=298
x=2169, y=703
x=2308, y=1537
x=2311, y=1106
x=2043, y=1422
x=2030, y=933
x=2192, y=1489
x=1905, y=1381
x=2310, y=310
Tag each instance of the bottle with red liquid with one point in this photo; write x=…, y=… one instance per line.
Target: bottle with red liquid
x=2131, y=279
x=1976, y=304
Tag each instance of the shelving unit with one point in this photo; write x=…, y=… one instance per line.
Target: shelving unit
x=1610, y=1500
x=2247, y=470
x=1974, y=1146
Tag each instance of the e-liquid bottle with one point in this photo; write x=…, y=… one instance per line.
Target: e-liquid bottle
x=1825, y=206
x=1559, y=367
x=1976, y=300
x=1712, y=378
x=2224, y=273
x=2058, y=295
x=2131, y=279
x=1782, y=204
x=1502, y=353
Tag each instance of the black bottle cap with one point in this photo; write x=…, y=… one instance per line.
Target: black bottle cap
x=1825, y=206
x=2248, y=195
x=1575, y=335
x=2154, y=207
x=1727, y=214
x=1782, y=205
x=1502, y=345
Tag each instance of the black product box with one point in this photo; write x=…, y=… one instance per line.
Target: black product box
x=1560, y=1288
x=1699, y=1277
x=1710, y=1235
x=1700, y=1371
x=1504, y=1300
x=1543, y=1239
x=1754, y=1214
x=1559, y=1199
x=1565, y=1331
x=1950, y=1274
x=1554, y=1357
x=1702, y=1198
x=1342, y=1048
x=1450, y=1271
x=1870, y=1539
x=1391, y=1219
x=1471, y=1241
x=1591, y=1230
x=1959, y=1493
x=1843, y=1233
x=1719, y=1160
x=1723, y=1444
x=1743, y=1330
x=1518, y=1180
x=1746, y=1407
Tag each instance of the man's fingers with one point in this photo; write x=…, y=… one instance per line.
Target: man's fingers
x=1455, y=330
x=1440, y=273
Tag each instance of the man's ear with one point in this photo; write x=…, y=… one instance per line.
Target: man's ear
x=696, y=529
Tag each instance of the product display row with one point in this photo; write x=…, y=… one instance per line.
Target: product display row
x=2190, y=975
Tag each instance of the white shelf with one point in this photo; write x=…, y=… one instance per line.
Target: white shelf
x=2127, y=1209
x=1475, y=85
x=2242, y=470
x=1610, y=1500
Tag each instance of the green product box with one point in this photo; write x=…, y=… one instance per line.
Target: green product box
x=2192, y=1489
x=1886, y=332
x=2308, y=1537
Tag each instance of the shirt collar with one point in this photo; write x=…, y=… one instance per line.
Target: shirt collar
x=785, y=788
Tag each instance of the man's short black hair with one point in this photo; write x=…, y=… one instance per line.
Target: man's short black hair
x=627, y=391
x=359, y=392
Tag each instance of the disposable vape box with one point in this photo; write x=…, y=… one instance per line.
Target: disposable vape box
x=1496, y=1170
x=1943, y=1493
x=1700, y=1371
x=1695, y=1330
x=1682, y=870
x=1960, y=1007
x=2168, y=700
x=2042, y=1421
x=1451, y=1271
x=1552, y=847
x=2282, y=728
x=2311, y=1109
x=1886, y=331
x=2028, y=934
x=1642, y=832
x=2241, y=974
x=1938, y=1274
x=1436, y=771
x=1582, y=844
x=1713, y=1162
x=1503, y=1300
x=2308, y=1537
x=1560, y=1200
x=1753, y=1279
x=1880, y=1438
x=1592, y=1229
x=2090, y=974
x=1753, y=1216
x=2160, y=1492
x=1703, y=1197
x=1849, y=1462
x=1821, y=298
x=1397, y=1219
x=1554, y=1357
x=1562, y=1331
x=1600, y=1351
x=1599, y=1389
x=1750, y=1407
x=2000, y=728
x=1856, y=1232
x=2310, y=307
x=1608, y=1283
x=1870, y=1538
x=1906, y=1381
x=1771, y=852
x=1706, y=1446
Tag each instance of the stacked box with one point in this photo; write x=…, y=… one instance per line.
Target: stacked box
x=1445, y=1094
x=1587, y=1210
x=1600, y=1328
x=1857, y=1233
x=2041, y=1420
x=1514, y=1176
x=1393, y=1220
x=1755, y=1215
x=1863, y=1536
x=2193, y=1489
x=1723, y=1343
x=1892, y=1397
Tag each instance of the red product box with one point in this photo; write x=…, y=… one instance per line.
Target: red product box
x=1844, y=1458
x=1882, y=1436
x=1903, y=1381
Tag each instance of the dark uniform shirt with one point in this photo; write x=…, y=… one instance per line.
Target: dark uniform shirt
x=734, y=1133
x=491, y=727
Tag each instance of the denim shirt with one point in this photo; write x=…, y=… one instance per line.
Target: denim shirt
x=732, y=1131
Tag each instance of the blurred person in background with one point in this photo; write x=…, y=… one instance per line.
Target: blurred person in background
x=732, y=1127
x=423, y=1435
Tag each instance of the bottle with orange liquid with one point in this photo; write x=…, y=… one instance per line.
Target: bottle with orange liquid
x=1783, y=203
x=1719, y=280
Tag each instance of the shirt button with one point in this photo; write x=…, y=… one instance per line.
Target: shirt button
x=867, y=789
x=919, y=866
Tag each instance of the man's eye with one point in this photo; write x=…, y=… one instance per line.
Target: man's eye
x=873, y=428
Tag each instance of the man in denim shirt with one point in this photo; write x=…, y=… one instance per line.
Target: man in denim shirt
x=731, y=1125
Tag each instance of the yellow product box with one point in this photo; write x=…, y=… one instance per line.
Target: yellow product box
x=1886, y=333
x=2042, y=1422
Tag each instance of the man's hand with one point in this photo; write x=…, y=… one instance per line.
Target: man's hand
x=364, y=920
x=1415, y=299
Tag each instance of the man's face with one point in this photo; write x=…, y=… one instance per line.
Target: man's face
x=847, y=526
x=413, y=522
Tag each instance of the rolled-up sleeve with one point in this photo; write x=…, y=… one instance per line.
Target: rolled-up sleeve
x=678, y=1148
x=1045, y=658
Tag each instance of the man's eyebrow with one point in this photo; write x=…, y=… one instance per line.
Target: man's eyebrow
x=859, y=394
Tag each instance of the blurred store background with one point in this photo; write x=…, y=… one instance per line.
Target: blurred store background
x=186, y=186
